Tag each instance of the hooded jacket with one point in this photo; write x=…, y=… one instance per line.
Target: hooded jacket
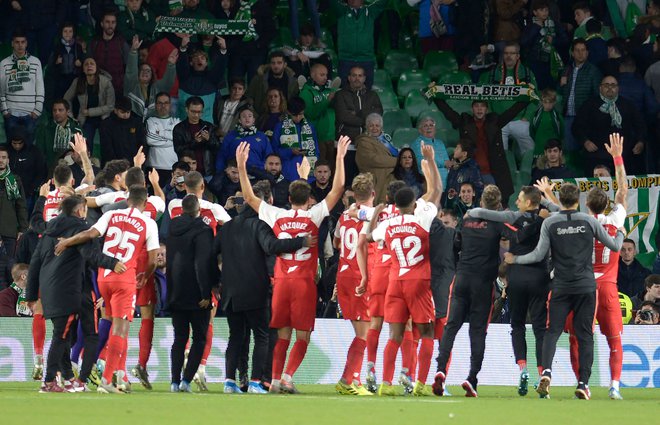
x=192, y=268
x=58, y=280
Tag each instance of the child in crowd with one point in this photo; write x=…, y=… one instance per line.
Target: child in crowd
x=464, y=169
x=547, y=123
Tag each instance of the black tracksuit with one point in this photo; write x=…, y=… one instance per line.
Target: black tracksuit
x=443, y=265
x=60, y=282
x=471, y=294
x=192, y=271
x=527, y=289
x=570, y=237
x=121, y=138
x=245, y=242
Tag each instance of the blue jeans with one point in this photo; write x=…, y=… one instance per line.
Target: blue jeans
x=368, y=66
x=313, y=14
x=29, y=123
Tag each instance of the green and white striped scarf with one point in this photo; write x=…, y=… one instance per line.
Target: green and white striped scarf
x=19, y=73
x=11, y=186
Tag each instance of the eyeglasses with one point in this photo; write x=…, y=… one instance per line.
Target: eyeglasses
x=609, y=85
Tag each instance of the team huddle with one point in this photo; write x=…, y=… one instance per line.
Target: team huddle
x=397, y=264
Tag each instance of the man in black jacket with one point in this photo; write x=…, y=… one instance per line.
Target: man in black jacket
x=195, y=134
x=122, y=133
x=192, y=271
x=59, y=281
x=245, y=242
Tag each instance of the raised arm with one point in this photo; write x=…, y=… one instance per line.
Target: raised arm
x=433, y=180
x=551, y=202
x=80, y=147
x=154, y=179
x=615, y=148
x=242, y=153
x=339, y=179
x=499, y=216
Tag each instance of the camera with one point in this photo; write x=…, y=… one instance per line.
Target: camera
x=645, y=315
x=179, y=180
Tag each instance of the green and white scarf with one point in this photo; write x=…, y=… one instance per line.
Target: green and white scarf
x=609, y=107
x=62, y=137
x=22, y=308
x=244, y=13
x=245, y=132
x=175, y=24
x=495, y=92
x=19, y=73
x=11, y=186
x=289, y=138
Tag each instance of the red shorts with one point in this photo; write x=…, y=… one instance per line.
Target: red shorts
x=119, y=298
x=608, y=309
x=352, y=306
x=294, y=304
x=377, y=288
x=409, y=299
x=147, y=294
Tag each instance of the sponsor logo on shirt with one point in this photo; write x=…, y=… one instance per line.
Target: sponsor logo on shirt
x=570, y=230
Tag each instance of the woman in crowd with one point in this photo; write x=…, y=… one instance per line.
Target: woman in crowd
x=406, y=169
x=376, y=154
x=427, y=129
x=277, y=111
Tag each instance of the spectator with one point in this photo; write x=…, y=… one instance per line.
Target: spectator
x=579, y=83
x=136, y=20
x=193, y=9
x=276, y=74
x=12, y=298
x=191, y=274
x=582, y=13
x=295, y=138
x=95, y=96
x=648, y=314
x=225, y=185
x=542, y=38
x=27, y=162
x=505, y=14
x=40, y=19
x=110, y=50
x=407, y=170
x=601, y=170
x=64, y=65
x=436, y=24
x=463, y=169
x=551, y=164
x=353, y=104
x=511, y=71
x=189, y=158
x=609, y=113
x=484, y=129
x=631, y=275
x=245, y=131
x=313, y=13
x=54, y=135
x=78, y=168
x=122, y=133
x=322, y=181
x=197, y=135
x=427, y=131
x=278, y=184
x=547, y=122
x=376, y=155
x=650, y=293
x=652, y=75
x=317, y=94
x=140, y=83
x=596, y=44
x=160, y=139
x=276, y=108
x=13, y=213
x=196, y=79
x=307, y=51
x=616, y=50
x=355, y=36
x=472, y=24
x=462, y=201
x=633, y=88
x=21, y=87
x=175, y=189
x=159, y=59
x=226, y=108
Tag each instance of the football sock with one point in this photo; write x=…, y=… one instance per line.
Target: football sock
x=413, y=366
x=209, y=343
x=78, y=346
x=389, y=357
x=124, y=355
x=575, y=356
x=104, y=334
x=407, y=349
x=279, y=356
x=616, y=359
x=354, y=360
x=540, y=369
x=296, y=357
x=146, y=337
x=372, y=344
x=615, y=385
x=522, y=364
x=38, y=334
x=113, y=360
x=425, y=354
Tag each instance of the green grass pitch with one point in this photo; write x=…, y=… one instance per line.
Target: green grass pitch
x=319, y=404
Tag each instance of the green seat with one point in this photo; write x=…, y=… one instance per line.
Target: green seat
x=415, y=104
x=382, y=80
x=413, y=80
x=456, y=77
x=460, y=106
x=403, y=137
x=398, y=61
x=395, y=119
x=389, y=100
x=439, y=63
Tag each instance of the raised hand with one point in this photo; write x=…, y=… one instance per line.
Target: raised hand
x=154, y=178
x=342, y=146
x=427, y=152
x=173, y=57
x=45, y=188
x=136, y=43
x=242, y=154
x=221, y=42
x=79, y=144
x=304, y=168
x=615, y=147
x=139, y=158
x=543, y=185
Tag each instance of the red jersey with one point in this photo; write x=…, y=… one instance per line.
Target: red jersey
x=407, y=239
x=348, y=231
x=52, y=205
x=155, y=205
x=128, y=233
x=606, y=262
x=381, y=255
x=212, y=214
x=288, y=224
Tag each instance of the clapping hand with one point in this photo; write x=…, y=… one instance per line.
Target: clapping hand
x=304, y=168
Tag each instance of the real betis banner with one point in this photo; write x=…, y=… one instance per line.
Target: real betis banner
x=642, y=210
x=447, y=91
x=175, y=24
